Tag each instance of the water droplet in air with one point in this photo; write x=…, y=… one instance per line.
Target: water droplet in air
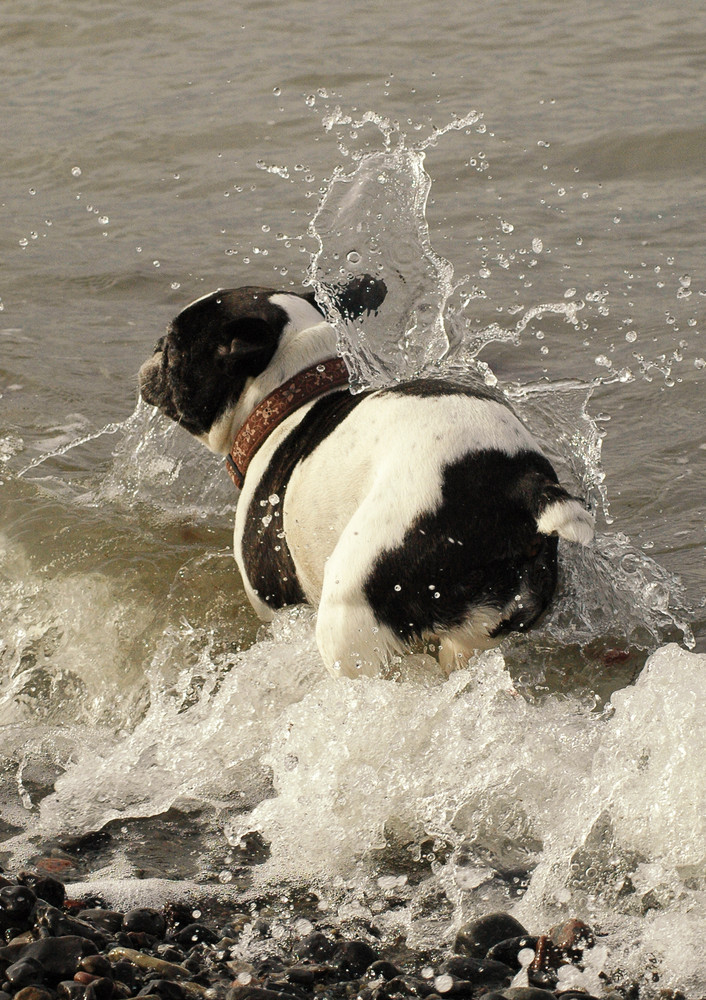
x=353, y=257
x=507, y=227
x=537, y=245
x=75, y=171
x=277, y=91
x=104, y=220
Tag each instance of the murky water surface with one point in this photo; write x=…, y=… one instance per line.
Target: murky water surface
x=530, y=182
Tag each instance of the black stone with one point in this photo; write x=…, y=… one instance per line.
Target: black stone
x=105, y=920
x=51, y=890
x=60, y=924
x=69, y=990
x=17, y=902
x=59, y=957
x=316, y=946
x=477, y=937
x=24, y=972
x=354, y=957
x=125, y=972
x=382, y=969
x=167, y=989
x=194, y=934
x=475, y=970
x=96, y=965
x=145, y=921
x=507, y=951
x=100, y=989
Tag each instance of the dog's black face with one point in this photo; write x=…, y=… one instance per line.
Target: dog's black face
x=211, y=349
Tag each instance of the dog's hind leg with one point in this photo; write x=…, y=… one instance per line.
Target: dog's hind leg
x=351, y=641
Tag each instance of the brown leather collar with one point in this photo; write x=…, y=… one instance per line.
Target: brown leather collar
x=306, y=385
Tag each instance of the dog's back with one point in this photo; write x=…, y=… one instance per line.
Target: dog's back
x=421, y=509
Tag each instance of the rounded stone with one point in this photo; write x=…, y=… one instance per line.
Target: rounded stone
x=167, y=989
x=17, y=902
x=24, y=972
x=100, y=989
x=354, y=957
x=105, y=920
x=477, y=936
x=507, y=951
x=33, y=993
x=317, y=946
x=527, y=993
x=382, y=970
x=145, y=921
x=59, y=957
x=69, y=990
x=51, y=890
x=194, y=934
x=477, y=971
x=96, y=965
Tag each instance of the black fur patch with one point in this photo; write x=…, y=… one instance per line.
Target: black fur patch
x=480, y=547
x=425, y=387
x=268, y=561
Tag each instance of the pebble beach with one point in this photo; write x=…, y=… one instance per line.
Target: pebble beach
x=68, y=947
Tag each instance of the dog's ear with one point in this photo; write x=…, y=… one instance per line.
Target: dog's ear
x=252, y=341
x=363, y=294
x=359, y=295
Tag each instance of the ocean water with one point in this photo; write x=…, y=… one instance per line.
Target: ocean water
x=530, y=183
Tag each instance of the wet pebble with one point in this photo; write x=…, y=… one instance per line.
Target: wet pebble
x=194, y=934
x=507, y=951
x=100, y=988
x=25, y=972
x=33, y=993
x=17, y=902
x=45, y=887
x=354, y=957
x=109, y=921
x=166, y=989
x=58, y=957
x=478, y=936
x=145, y=921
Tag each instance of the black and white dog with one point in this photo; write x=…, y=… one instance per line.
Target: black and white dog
x=423, y=509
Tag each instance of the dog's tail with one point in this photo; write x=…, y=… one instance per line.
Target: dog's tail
x=563, y=515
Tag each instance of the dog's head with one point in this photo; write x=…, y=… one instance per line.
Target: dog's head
x=218, y=343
